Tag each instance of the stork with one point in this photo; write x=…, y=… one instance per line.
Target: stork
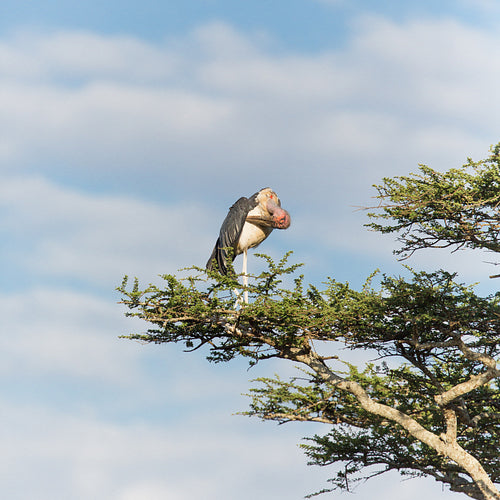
x=248, y=223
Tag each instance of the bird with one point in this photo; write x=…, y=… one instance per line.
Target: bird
x=248, y=223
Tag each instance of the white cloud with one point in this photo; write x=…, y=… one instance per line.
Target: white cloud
x=65, y=333
x=104, y=126
x=486, y=7
x=97, y=238
x=50, y=454
x=53, y=454
x=73, y=57
x=215, y=103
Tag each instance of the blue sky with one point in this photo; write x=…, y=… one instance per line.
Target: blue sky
x=127, y=130
x=298, y=24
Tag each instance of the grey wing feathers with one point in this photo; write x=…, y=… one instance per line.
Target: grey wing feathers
x=230, y=233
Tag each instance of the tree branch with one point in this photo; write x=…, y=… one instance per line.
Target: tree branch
x=450, y=449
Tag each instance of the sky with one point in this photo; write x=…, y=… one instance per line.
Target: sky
x=127, y=129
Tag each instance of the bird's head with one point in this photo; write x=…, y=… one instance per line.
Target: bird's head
x=280, y=218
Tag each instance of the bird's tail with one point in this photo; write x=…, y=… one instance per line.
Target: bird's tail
x=217, y=261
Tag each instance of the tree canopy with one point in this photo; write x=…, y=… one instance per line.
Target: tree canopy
x=457, y=208
x=430, y=404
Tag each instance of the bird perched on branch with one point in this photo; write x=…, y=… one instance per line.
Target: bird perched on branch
x=249, y=222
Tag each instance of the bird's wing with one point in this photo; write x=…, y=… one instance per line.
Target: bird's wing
x=230, y=233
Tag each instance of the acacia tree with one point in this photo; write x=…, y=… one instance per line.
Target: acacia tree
x=431, y=406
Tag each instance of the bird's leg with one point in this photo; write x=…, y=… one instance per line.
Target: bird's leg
x=245, y=276
x=245, y=283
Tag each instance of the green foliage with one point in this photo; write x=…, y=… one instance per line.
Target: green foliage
x=197, y=310
x=360, y=440
x=417, y=321
x=457, y=208
x=436, y=340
